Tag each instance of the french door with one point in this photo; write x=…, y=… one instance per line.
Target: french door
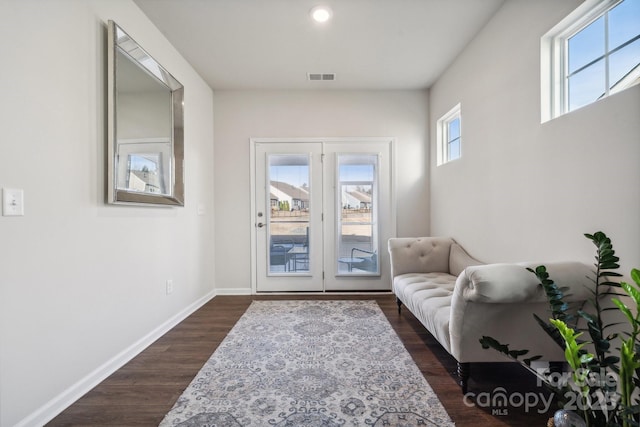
x=322, y=214
x=288, y=216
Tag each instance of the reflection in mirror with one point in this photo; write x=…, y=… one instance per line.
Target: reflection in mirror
x=146, y=146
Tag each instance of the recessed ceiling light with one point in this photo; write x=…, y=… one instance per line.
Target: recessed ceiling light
x=321, y=13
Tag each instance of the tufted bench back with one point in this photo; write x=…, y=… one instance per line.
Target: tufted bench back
x=420, y=255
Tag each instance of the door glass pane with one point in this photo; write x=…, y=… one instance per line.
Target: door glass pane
x=357, y=232
x=288, y=232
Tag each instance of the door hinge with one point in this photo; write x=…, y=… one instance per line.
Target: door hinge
x=323, y=275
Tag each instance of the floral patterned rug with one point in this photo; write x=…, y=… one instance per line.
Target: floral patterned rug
x=309, y=363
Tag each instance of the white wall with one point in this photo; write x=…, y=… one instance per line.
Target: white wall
x=82, y=286
x=241, y=115
x=524, y=190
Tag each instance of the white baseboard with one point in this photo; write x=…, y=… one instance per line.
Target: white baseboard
x=248, y=291
x=65, y=399
x=233, y=291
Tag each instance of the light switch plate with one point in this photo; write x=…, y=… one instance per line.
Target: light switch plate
x=12, y=202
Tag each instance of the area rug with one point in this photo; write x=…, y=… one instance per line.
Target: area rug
x=309, y=363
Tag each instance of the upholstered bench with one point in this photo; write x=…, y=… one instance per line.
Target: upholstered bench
x=458, y=299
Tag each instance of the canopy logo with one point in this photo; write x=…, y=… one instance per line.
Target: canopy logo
x=499, y=401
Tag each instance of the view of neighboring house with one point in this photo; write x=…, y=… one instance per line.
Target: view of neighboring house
x=144, y=181
x=285, y=195
x=356, y=200
x=628, y=80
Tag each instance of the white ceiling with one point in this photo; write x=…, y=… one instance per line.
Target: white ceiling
x=273, y=44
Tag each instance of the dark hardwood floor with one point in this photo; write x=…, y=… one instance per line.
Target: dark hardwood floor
x=141, y=392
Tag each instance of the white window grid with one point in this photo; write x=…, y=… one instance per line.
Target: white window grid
x=443, y=137
x=555, y=58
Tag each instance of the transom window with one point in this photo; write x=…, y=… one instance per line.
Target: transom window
x=592, y=54
x=449, y=136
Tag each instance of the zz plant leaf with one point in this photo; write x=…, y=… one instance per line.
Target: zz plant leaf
x=577, y=359
x=629, y=359
x=619, y=407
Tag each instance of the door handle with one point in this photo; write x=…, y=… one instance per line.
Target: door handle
x=260, y=225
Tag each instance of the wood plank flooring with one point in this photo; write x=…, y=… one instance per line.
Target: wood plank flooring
x=145, y=389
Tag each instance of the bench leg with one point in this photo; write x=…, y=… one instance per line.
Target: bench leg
x=464, y=370
x=399, y=304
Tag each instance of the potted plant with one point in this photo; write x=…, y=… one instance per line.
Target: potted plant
x=603, y=386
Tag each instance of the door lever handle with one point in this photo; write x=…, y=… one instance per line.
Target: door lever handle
x=260, y=225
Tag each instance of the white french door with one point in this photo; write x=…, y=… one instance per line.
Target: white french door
x=359, y=215
x=322, y=214
x=288, y=217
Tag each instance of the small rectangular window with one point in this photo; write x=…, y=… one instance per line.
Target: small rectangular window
x=449, y=136
x=591, y=54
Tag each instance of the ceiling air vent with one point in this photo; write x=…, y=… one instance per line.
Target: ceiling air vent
x=321, y=76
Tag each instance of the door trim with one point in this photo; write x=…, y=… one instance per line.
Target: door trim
x=252, y=194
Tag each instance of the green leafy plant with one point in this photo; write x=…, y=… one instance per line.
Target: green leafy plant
x=577, y=357
x=605, y=384
x=629, y=352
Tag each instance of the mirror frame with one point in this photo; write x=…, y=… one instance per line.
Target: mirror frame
x=120, y=42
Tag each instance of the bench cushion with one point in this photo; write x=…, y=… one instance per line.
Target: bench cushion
x=428, y=297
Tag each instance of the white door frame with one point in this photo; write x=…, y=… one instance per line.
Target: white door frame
x=252, y=177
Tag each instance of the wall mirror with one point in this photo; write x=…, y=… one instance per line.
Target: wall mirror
x=145, y=126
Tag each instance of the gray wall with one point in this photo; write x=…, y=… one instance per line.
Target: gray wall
x=525, y=190
x=83, y=283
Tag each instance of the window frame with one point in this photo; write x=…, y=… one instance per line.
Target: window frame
x=555, y=57
x=443, y=154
